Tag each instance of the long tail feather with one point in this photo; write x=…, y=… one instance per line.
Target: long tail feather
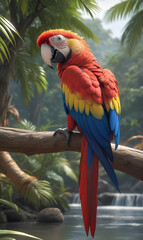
x=93, y=193
x=88, y=186
x=83, y=183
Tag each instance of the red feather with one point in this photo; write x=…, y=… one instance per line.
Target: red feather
x=88, y=188
x=92, y=194
x=83, y=183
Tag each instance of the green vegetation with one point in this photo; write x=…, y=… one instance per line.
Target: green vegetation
x=133, y=29
x=7, y=30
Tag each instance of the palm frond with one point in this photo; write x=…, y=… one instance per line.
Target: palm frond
x=8, y=203
x=30, y=75
x=88, y=6
x=123, y=9
x=80, y=26
x=24, y=124
x=39, y=193
x=63, y=165
x=133, y=31
x=51, y=175
x=7, y=30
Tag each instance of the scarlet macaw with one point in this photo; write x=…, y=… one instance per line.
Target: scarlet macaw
x=91, y=101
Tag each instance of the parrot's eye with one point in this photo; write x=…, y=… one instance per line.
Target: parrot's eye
x=59, y=38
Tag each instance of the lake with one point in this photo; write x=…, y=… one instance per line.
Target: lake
x=113, y=223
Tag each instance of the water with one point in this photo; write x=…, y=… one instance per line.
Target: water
x=127, y=199
x=113, y=223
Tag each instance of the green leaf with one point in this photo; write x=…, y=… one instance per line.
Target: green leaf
x=7, y=238
x=84, y=29
x=10, y=204
x=1, y=58
x=4, y=49
x=133, y=31
x=27, y=125
x=6, y=28
x=63, y=201
x=63, y=165
x=9, y=26
x=3, y=30
x=39, y=193
x=54, y=176
x=24, y=6
x=120, y=10
x=3, y=232
x=88, y=6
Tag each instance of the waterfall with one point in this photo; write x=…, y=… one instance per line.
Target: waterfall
x=76, y=198
x=127, y=199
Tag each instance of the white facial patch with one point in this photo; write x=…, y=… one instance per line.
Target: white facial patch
x=60, y=43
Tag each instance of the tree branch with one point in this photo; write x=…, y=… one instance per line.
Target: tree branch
x=126, y=159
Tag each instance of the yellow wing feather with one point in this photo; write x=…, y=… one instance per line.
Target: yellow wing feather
x=71, y=99
x=75, y=100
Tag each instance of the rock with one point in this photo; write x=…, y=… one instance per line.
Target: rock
x=50, y=215
x=105, y=198
x=29, y=215
x=14, y=216
x=3, y=218
x=138, y=187
x=104, y=186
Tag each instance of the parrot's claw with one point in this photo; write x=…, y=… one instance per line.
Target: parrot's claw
x=65, y=132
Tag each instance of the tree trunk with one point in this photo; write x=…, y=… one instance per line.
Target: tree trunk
x=126, y=159
x=5, y=73
x=20, y=179
x=35, y=106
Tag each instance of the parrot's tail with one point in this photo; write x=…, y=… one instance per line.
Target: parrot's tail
x=88, y=186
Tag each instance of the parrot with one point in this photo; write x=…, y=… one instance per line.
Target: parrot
x=91, y=101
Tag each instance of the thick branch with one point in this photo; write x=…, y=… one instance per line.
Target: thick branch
x=126, y=159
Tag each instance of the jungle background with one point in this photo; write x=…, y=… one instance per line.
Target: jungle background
x=35, y=94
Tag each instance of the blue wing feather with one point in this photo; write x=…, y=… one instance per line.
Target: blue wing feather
x=114, y=125
x=97, y=134
x=81, y=120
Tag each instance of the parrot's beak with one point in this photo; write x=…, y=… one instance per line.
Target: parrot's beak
x=51, y=54
x=46, y=53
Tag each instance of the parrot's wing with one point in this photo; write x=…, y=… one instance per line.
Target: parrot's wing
x=111, y=99
x=82, y=97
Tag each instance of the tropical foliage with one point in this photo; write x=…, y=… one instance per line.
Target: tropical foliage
x=8, y=203
x=7, y=30
x=133, y=29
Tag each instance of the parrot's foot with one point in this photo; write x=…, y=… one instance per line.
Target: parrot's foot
x=65, y=132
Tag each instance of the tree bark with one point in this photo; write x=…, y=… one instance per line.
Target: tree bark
x=127, y=160
x=20, y=179
x=5, y=73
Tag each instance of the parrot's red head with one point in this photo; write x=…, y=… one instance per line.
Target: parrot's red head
x=59, y=45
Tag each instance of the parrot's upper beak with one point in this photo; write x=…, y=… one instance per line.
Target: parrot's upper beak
x=46, y=54
x=51, y=54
